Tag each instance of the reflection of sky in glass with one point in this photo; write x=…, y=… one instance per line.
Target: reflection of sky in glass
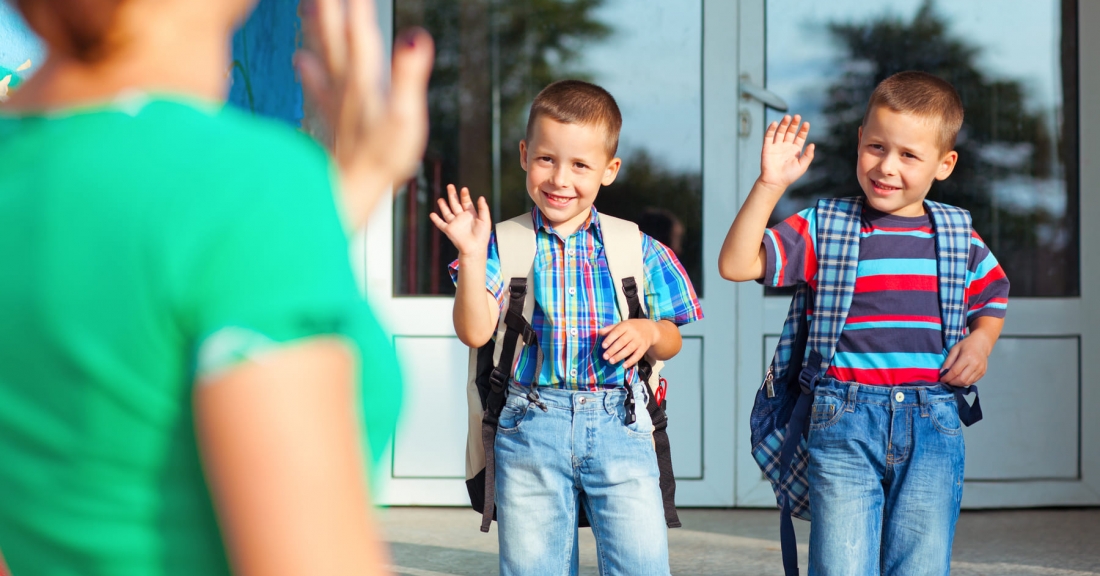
x=1019, y=40
x=652, y=64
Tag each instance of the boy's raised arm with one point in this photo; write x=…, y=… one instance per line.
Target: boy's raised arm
x=782, y=161
x=476, y=310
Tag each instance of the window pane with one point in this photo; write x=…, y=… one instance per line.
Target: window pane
x=493, y=56
x=1014, y=63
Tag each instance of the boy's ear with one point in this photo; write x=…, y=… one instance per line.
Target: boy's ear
x=859, y=138
x=947, y=165
x=611, y=171
x=523, y=154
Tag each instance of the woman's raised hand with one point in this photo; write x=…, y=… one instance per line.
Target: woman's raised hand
x=378, y=136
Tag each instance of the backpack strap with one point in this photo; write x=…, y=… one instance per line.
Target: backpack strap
x=516, y=247
x=838, y=224
x=837, y=236
x=622, y=244
x=953, y=227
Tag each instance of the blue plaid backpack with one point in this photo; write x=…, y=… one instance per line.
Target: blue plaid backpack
x=805, y=349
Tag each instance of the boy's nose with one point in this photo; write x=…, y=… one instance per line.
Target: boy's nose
x=560, y=177
x=888, y=165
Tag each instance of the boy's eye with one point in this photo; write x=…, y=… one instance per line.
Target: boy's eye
x=910, y=155
x=544, y=159
x=578, y=165
x=877, y=147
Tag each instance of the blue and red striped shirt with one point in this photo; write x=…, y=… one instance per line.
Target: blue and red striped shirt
x=575, y=297
x=893, y=334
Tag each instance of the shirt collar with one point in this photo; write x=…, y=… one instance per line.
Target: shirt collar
x=593, y=222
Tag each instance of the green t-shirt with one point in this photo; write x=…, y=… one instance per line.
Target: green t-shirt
x=143, y=242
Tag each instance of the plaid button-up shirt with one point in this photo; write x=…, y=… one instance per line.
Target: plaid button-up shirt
x=575, y=297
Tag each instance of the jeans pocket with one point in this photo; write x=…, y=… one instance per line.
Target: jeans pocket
x=825, y=412
x=945, y=417
x=513, y=413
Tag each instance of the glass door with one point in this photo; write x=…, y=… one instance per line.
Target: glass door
x=670, y=73
x=1016, y=67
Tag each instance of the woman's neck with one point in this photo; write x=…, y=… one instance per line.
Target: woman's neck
x=168, y=58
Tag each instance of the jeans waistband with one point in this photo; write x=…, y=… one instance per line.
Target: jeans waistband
x=578, y=400
x=886, y=395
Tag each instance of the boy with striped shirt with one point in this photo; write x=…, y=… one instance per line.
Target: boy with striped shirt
x=885, y=450
x=563, y=439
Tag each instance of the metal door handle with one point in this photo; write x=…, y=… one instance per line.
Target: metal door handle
x=767, y=97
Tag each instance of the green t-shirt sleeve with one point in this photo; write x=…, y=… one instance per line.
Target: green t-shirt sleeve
x=272, y=267
x=268, y=263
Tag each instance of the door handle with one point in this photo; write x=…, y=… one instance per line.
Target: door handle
x=749, y=89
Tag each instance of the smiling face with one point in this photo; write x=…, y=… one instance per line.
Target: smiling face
x=566, y=164
x=899, y=157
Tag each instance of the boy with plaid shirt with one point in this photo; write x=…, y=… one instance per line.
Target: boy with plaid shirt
x=563, y=440
x=885, y=448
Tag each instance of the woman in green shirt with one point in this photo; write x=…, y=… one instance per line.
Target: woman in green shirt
x=184, y=357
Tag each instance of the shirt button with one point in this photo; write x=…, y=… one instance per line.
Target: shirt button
x=573, y=332
x=582, y=400
x=572, y=291
x=571, y=252
x=573, y=372
x=899, y=397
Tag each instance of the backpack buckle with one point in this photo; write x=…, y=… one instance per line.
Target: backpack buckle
x=498, y=379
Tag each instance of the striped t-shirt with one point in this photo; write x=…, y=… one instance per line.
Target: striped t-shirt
x=893, y=334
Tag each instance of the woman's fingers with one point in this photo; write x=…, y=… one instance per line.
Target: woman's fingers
x=365, y=55
x=315, y=80
x=406, y=122
x=332, y=39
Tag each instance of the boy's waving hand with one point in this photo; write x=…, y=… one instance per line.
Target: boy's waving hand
x=782, y=160
x=468, y=230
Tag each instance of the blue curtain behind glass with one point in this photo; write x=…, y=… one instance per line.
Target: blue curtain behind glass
x=264, y=80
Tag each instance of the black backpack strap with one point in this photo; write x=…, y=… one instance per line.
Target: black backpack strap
x=656, y=413
x=518, y=328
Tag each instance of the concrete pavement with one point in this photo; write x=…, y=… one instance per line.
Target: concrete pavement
x=447, y=542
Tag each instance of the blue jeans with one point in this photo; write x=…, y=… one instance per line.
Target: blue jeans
x=886, y=479
x=579, y=451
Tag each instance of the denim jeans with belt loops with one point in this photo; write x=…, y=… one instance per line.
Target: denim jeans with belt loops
x=886, y=479
x=578, y=451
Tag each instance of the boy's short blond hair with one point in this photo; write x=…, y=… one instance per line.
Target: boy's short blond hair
x=579, y=102
x=924, y=95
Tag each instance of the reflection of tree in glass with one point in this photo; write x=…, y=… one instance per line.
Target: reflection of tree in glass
x=535, y=42
x=1003, y=142
x=645, y=189
x=486, y=51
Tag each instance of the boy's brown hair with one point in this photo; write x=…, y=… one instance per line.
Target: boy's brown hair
x=924, y=95
x=579, y=102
